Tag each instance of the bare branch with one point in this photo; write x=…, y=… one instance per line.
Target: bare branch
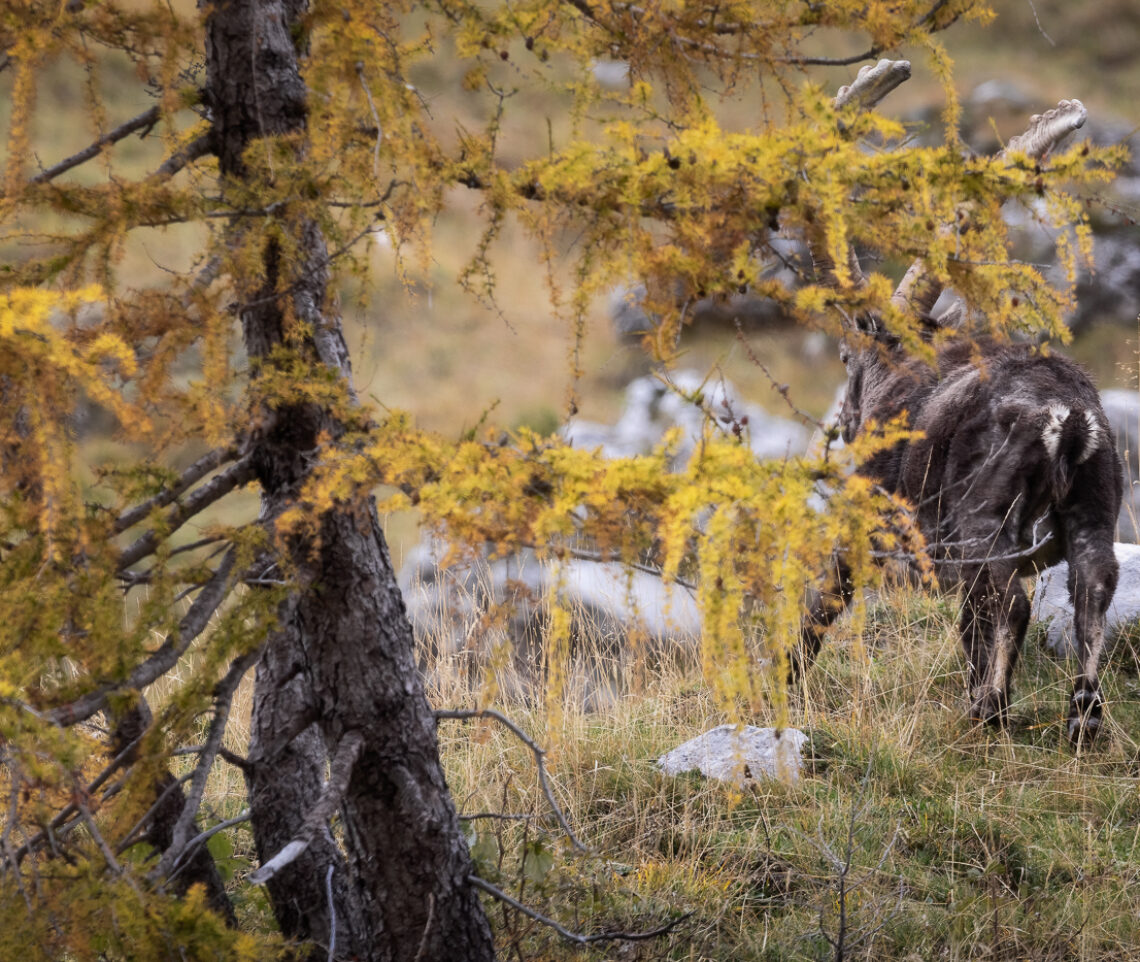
x=781, y=389
x=144, y=121
x=191, y=476
x=340, y=770
x=108, y=855
x=497, y=816
x=539, y=755
x=130, y=839
x=576, y=937
x=216, y=488
x=186, y=154
x=332, y=911
x=10, y=855
x=223, y=699
x=165, y=658
x=205, y=836
x=238, y=761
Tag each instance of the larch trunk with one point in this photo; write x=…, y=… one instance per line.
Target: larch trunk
x=342, y=654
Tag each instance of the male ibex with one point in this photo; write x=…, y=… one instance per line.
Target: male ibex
x=1012, y=466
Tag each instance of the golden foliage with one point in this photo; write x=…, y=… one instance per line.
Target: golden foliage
x=652, y=182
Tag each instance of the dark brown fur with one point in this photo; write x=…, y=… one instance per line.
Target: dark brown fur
x=1016, y=467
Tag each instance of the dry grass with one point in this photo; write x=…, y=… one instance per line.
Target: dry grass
x=961, y=843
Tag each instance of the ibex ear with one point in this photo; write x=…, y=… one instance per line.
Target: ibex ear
x=871, y=325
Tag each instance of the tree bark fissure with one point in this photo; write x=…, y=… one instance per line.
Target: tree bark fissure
x=342, y=652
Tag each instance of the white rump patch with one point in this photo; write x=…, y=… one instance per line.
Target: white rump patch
x=1051, y=433
x=1055, y=425
x=1092, y=441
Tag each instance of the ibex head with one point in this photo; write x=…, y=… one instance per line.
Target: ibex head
x=867, y=351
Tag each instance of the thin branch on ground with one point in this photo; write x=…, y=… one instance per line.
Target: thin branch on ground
x=465, y=714
x=340, y=771
x=501, y=816
x=576, y=937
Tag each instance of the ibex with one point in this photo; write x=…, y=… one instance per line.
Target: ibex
x=1012, y=466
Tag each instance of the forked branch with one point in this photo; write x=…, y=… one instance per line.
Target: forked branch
x=213, y=490
x=223, y=700
x=143, y=122
x=190, y=477
x=539, y=756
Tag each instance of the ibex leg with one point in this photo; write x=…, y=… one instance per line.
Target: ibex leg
x=825, y=606
x=994, y=619
x=1092, y=579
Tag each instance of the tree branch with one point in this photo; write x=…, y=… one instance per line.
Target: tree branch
x=340, y=770
x=577, y=937
x=217, y=487
x=186, y=154
x=147, y=119
x=223, y=700
x=165, y=658
x=539, y=755
x=205, y=836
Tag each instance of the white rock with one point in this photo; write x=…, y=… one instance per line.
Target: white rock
x=739, y=754
x=1052, y=606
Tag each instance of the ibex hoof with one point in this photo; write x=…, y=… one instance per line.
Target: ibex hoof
x=1085, y=710
x=991, y=708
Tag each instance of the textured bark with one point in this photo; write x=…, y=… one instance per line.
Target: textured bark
x=283, y=778
x=343, y=652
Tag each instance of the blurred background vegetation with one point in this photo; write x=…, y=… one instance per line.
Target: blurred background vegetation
x=422, y=343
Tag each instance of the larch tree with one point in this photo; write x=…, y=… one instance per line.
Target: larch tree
x=289, y=133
